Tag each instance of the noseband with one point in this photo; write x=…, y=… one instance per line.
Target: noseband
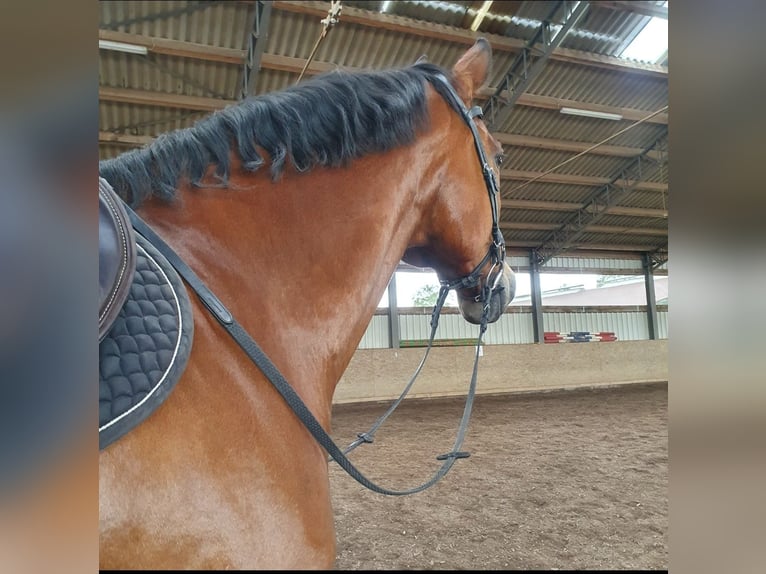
x=496, y=250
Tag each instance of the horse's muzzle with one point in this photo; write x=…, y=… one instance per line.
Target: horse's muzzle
x=502, y=295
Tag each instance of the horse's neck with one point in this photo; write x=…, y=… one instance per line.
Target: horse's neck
x=302, y=263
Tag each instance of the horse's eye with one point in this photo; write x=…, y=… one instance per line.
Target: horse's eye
x=499, y=158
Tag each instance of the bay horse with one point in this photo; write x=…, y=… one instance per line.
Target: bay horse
x=294, y=208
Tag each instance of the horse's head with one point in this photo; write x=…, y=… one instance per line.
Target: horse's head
x=461, y=240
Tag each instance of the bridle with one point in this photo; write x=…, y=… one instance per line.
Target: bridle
x=495, y=255
x=496, y=251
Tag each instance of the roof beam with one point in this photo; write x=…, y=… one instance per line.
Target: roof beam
x=213, y=54
x=293, y=65
x=570, y=146
x=522, y=70
x=551, y=103
x=151, y=98
x=608, y=229
x=515, y=174
x=643, y=8
x=176, y=47
x=597, y=206
x=509, y=204
x=613, y=229
x=616, y=247
x=286, y=63
x=585, y=247
x=460, y=36
x=124, y=139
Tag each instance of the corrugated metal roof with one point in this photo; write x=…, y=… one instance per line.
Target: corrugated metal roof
x=600, y=30
x=170, y=75
x=600, y=86
x=552, y=124
x=530, y=216
x=530, y=159
x=293, y=32
x=222, y=24
x=459, y=14
x=144, y=120
x=516, y=189
x=628, y=222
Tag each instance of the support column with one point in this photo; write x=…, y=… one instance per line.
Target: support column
x=651, y=300
x=537, y=297
x=393, y=314
x=256, y=44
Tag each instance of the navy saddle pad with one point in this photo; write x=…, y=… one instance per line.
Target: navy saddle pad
x=146, y=349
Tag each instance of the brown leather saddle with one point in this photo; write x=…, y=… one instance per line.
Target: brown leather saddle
x=116, y=256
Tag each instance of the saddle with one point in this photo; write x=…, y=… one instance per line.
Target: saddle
x=145, y=322
x=116, y=256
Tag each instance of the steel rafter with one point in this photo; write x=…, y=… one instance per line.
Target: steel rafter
x=523, y=69
x=601, y=200
x=659, y=257
x=256, y=44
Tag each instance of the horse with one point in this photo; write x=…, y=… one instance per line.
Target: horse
x=295, y=208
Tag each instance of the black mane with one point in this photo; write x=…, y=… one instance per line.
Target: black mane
x=328, y=121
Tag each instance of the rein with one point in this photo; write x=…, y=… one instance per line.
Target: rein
x=495, y=254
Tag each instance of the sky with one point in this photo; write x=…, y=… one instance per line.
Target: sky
x=651, y=43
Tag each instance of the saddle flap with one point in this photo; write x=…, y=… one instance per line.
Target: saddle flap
x=116, y=256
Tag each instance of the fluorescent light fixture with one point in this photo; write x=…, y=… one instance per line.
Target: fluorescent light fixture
x=122, y=47
x=591, y=114
x=480, y=15
x=386, y=6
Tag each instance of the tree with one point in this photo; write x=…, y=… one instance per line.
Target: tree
x=426, y=296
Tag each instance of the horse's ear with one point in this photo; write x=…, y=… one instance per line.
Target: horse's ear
x=472, y=70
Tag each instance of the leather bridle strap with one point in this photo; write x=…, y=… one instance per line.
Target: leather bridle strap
x=369, y=436
x=496, y=251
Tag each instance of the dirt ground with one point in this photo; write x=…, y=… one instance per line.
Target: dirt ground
x=566, y=480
